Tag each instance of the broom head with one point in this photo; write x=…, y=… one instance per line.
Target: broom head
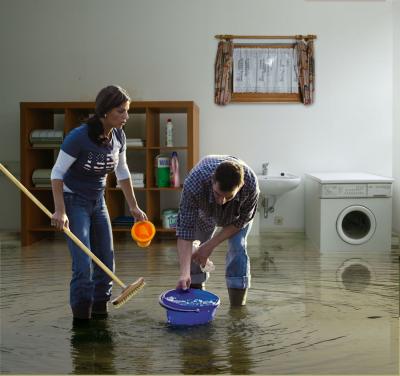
x=128, y=292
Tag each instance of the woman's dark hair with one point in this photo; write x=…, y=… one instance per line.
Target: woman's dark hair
x=108, y=98
x=229, y=175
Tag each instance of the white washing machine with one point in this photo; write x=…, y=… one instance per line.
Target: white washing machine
x=348, y=211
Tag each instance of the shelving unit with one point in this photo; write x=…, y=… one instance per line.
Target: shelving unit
x=66, y=116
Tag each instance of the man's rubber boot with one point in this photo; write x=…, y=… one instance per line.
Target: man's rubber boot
x=237, y=297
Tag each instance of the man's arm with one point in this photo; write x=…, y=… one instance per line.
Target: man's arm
x=206, y=248
x=185, y=230
x=185, y=256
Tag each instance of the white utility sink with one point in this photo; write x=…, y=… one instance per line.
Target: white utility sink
x=276, y=185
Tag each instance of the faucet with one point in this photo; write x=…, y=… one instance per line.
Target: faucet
x=265, y=168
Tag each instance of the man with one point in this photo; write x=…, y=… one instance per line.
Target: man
x=219, y=191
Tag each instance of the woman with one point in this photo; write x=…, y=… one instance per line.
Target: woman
x=78, y=179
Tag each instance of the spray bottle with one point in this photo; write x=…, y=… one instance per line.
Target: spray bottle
x=169, y=133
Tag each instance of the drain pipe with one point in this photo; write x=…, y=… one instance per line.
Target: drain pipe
x=268, y=202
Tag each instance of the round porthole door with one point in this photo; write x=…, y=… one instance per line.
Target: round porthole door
x=356, y=224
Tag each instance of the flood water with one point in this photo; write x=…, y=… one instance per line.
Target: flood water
x=307, y=313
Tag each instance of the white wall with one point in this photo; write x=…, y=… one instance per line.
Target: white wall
x=396, y=116
x=57, y=50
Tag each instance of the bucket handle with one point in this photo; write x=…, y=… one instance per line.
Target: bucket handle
x=197, y=310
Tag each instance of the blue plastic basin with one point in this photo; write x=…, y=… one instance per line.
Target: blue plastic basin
x=189, y=307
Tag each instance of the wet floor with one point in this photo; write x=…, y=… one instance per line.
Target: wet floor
x=307, y=313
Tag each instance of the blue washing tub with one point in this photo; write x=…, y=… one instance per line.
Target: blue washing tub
x=189, y=307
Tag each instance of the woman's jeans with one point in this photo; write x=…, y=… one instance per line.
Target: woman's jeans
x=237, y=261
x=90, y=222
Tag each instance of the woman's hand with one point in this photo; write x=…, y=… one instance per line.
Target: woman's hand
x=59, y=220
x=138, y=214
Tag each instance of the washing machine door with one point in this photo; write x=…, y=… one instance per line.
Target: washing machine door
x=356, y=224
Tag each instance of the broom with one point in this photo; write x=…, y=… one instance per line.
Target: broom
x=127, y=291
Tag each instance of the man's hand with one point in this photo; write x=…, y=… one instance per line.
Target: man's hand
x=201, y=255
x=184, y=282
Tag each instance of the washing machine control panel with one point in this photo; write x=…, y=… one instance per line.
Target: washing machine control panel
x=379, y=190
x=356, y=190
x=343, y=190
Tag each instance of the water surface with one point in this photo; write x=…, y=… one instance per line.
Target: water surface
x=307, y=313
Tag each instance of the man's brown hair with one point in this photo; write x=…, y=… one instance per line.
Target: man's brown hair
x=229, y=175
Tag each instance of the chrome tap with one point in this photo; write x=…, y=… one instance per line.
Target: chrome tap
x=265, y=168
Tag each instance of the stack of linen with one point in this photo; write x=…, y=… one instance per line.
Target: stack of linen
x=46, y=138
x=41, y=178
x=134, y=142
x=137, y=180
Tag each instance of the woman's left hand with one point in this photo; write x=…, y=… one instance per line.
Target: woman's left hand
x=138, y=214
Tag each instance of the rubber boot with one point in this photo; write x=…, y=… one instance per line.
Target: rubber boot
x=80, y=323
x=237, y=297
x=82, y=311
x=198, y=286
x=99, y=310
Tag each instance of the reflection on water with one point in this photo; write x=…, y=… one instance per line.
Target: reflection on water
x=355, y=274
x=92, y=348
x=240, y=336
x=331, y=313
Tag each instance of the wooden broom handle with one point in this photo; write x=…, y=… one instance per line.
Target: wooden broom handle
x=65, y=229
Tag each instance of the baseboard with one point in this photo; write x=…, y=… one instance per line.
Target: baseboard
x=277, y=230
x=9, y=235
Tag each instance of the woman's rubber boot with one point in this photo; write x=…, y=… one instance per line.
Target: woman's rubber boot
x=198, y=286
x=99, y=310
x=237, y=297
x=81, y=314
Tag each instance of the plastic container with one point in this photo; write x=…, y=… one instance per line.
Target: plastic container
x=169, y=218
x=143, y=232
x=174, y=171
x=162, y=164
x=189, y=307
x=169, y=133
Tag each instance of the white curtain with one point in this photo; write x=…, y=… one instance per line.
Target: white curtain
x=265, y=70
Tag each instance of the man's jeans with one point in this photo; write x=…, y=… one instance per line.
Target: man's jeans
x=90, y=222
x=237, y=261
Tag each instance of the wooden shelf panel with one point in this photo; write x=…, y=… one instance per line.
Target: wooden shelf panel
x=44, y=148
x=44, y=229
x=143, y=189
x=158, y=229
x=66, y=115
x=163, y=148
x=136, y=189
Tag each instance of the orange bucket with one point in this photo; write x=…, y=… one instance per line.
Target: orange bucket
x=142, y=233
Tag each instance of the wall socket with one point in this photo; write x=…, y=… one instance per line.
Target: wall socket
x=278, y=220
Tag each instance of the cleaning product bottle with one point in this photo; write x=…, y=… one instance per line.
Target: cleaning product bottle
x=209, y=266
x=174, y=170
x=169, y=133
x=162, y=173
